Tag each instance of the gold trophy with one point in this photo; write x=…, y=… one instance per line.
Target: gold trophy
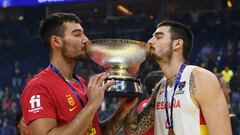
x=122, y=59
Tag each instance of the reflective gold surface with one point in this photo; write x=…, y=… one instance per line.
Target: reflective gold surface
x=121, y=57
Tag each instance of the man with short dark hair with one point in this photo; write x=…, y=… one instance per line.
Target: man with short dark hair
x=56, y=101
x=189, y=101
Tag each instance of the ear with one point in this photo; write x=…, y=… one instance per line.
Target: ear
x=56, y=41
x=177, y=43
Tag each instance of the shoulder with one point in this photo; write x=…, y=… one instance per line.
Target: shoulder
x=34, y=88
x=38, y=85
x=37, y=98
x=45, y=77
x=204, y=84
x=45, y=74
x=204, y=76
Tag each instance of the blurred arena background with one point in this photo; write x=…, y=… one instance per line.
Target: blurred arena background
x=215, y=23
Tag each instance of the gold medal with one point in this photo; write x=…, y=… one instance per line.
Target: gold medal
x=91, y=130
x=171, y=131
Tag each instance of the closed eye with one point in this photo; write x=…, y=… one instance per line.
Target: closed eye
x=78, y=35
x=157, y=37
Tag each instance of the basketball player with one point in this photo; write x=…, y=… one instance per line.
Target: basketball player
x=189, y=101
x=56, y=101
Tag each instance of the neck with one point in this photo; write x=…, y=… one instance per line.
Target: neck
x=65, y=67
x=171, y=68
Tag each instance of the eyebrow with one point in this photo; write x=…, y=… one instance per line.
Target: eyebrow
x=77, y=30
x=158, y=33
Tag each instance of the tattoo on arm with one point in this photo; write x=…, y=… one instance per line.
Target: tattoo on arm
x=112, y=125
x=132, y=119
x=138, y=123
x=192, y=87
x=117, y=123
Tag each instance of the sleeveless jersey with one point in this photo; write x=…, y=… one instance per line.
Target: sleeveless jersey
x=187, y=117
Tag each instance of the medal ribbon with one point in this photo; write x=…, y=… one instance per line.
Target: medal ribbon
x=55, y=70
x=170, y=119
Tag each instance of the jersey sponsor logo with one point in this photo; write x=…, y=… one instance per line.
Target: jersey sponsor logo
x=71, y=109
x=71, y=102
x=35, y=104
x=180, y=88
x=161, y=105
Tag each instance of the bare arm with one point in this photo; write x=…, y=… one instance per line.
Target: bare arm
x=79, y=125
x=138, y=123
x=206, y=91
x=112, y=125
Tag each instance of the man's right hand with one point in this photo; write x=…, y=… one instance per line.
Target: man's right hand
x=96, y=89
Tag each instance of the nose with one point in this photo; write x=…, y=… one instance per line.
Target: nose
x=85, y=39
x=150, y=41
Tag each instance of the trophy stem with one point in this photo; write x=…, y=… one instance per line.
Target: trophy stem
x=118, y=71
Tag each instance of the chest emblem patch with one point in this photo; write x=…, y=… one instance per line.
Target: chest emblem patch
x=180, y=88
x=71, y=102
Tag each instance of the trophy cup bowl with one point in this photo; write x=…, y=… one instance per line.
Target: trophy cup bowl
x=122, y=59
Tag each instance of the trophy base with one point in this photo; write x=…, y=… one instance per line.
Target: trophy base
x=124, y=88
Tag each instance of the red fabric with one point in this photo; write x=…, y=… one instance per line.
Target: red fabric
x=202, y=120
x=139, y=109
x=48, y=96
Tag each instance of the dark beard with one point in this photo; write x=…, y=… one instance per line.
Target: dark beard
x=166, y=58
x=151, y=57
x=82, y=58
